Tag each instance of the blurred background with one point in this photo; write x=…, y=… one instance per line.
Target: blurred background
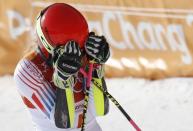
x=150, y=70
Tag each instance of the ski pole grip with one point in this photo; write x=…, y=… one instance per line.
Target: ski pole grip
x=89, y=77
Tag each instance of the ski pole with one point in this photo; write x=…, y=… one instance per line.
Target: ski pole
x=86, y=99
x=117, y=105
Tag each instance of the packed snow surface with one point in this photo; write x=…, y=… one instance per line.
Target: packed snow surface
x=161, y=105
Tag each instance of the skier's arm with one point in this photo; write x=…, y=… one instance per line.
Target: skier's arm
x=67, y=62
x=98, y=51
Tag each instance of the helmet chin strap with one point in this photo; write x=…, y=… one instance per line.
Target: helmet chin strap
x=48, y=59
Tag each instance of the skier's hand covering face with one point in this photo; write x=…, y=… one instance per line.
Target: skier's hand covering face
x=97, y=48
x=67, y=59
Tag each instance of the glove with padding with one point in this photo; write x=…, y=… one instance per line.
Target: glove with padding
x=66, y=63
x=97, y=48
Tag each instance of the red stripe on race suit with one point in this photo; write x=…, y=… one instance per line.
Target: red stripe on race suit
x=37, y=101
x=27, y=102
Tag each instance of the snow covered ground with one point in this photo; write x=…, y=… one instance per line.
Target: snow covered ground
x=162, y=105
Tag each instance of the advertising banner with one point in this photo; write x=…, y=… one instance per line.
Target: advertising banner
x=151, y=39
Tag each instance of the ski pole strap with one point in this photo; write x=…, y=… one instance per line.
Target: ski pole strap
x=89, y=78
x=117, y=105
x=86, y=99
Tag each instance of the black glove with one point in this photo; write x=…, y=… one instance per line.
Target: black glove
x=67, y=59
x=97, y=48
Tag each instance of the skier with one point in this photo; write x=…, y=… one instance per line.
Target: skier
x=49, y=79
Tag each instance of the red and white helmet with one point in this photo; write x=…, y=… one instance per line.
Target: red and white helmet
x=59, y=23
